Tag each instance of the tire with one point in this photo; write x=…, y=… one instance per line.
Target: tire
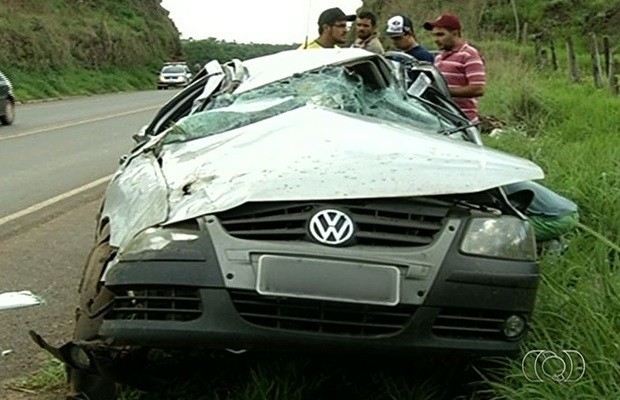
x=85, y=385
x=8, y=116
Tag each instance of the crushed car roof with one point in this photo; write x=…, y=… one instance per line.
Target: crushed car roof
x=274, y=67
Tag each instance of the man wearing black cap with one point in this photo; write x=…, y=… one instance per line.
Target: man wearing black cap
x=400, y=30
x=332, y=30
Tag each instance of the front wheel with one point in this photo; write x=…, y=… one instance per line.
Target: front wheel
x=93, y=295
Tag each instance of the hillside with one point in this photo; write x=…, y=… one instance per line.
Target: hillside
x=485, y=19
x=59, y=34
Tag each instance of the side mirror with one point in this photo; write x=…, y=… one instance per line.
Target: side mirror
x=521, y=199
x=140, y=136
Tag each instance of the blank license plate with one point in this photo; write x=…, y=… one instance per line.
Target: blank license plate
x=328, y=280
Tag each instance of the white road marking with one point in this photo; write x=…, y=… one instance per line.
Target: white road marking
x=75, y=123
x=53, y=200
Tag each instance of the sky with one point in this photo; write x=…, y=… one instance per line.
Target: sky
x=258, y=21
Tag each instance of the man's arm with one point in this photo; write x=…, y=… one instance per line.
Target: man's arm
x=467, y=91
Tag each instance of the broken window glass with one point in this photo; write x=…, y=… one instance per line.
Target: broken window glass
x=331, y=87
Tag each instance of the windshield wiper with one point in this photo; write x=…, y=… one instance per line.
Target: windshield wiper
x=460, y=128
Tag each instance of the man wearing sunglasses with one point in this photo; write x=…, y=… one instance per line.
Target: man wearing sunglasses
x=332, y=30
x=400, y=30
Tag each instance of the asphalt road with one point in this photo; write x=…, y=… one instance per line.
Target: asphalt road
x=48, y=161
x=57, y=146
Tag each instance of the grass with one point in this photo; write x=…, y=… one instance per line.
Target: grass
x=74, y=82
x=59, y=34
x=577, y=144
x=571, y=131
x=50, y=376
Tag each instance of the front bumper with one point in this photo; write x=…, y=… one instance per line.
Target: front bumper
x=457, y=304
x=172, y=83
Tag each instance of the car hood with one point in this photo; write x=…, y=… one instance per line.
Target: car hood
x=310, y=153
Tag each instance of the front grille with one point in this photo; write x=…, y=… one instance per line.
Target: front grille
x=470, y=324
x=401, y=222
x=156, y=304
x=320, y=316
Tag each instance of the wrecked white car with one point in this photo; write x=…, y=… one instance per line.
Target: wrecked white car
x=305, y=200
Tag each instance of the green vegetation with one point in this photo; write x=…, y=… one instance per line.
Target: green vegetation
x=75, y=82
x=495, y=19
x=61, y=48
x=50, y=376
x=202, y=51
x=58, y=47
x=57, y=34
x=576, y=143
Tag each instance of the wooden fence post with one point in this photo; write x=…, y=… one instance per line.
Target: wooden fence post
x=516, y=16
x=607, y=54
x=543, y=59
x=538, y=50
x=613, y=80
x=573, y=70
x=596, y=61
x=554, y=59
x=524, y=33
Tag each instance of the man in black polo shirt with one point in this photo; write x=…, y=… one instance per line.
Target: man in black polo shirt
x=400, y=30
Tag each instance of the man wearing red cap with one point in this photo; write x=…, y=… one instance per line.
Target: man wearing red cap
x=459, y=62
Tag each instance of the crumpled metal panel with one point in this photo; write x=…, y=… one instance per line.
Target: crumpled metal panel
x=13, y=300
x=314, y=153
x=136, y=198
x=288, y=141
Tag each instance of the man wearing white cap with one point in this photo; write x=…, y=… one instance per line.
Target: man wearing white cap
x=400, y=30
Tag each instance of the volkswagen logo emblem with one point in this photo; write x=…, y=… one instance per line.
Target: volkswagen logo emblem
x=331, y=227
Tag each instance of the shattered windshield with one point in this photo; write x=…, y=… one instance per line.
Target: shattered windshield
x=331, y=87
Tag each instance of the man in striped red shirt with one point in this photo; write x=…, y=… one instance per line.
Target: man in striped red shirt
x=459, y=62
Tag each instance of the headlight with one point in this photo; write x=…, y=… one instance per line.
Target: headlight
x=156, y=239
x=506, y=237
